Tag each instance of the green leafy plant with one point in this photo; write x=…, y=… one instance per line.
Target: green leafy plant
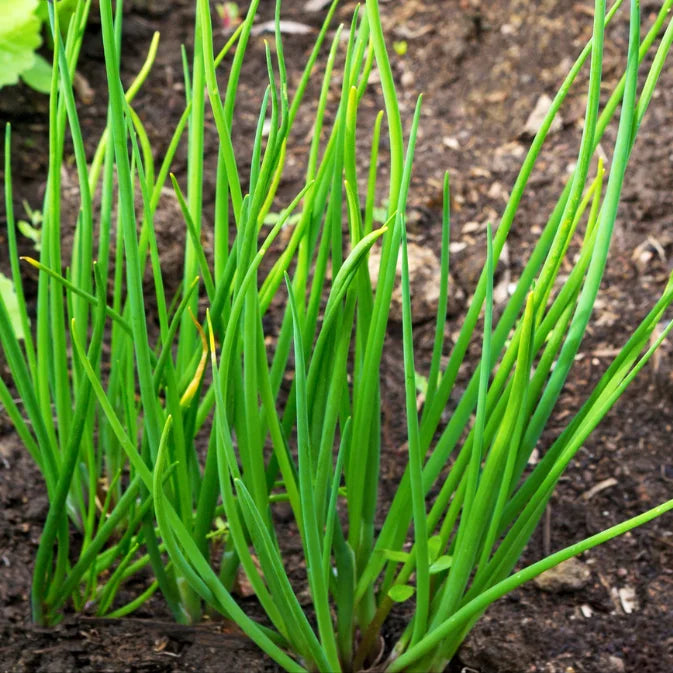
x=31, y=228
x=19, y=38
x=294, y=415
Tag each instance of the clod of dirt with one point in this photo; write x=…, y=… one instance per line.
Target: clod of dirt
x=481, y=653
x=571, y=575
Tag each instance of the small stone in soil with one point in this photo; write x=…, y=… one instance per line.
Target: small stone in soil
x=571, y=575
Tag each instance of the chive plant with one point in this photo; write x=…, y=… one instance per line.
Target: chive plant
x=113, y=413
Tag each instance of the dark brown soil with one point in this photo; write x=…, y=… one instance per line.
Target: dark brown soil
x=482, y=66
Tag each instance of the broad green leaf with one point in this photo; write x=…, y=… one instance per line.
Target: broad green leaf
x=11, y=303
x=397, y=556
x=273, y=218
x=442, y=563
x=421, y=383
x=400, y=593
x=38, y=76
x=380, y=214
x=434, y=547
x=31, y=232
x=19, y=38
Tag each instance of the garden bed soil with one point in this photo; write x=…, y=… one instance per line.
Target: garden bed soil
x=482, y=66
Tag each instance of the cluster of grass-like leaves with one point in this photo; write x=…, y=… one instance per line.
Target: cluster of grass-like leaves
x=114, y=414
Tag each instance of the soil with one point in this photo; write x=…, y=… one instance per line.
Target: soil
x=482, y=67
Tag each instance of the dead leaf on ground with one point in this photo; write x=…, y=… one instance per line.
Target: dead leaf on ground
x=316, y=5
x=536, y=117
x=286, y=27
x=628, y=599
x=243, y=587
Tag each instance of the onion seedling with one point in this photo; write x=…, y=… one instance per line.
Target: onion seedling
x=292, y=414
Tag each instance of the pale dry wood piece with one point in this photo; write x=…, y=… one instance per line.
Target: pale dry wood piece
x=316, y=5
x=600, y=486
x=286, y=27
x=628, y=599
